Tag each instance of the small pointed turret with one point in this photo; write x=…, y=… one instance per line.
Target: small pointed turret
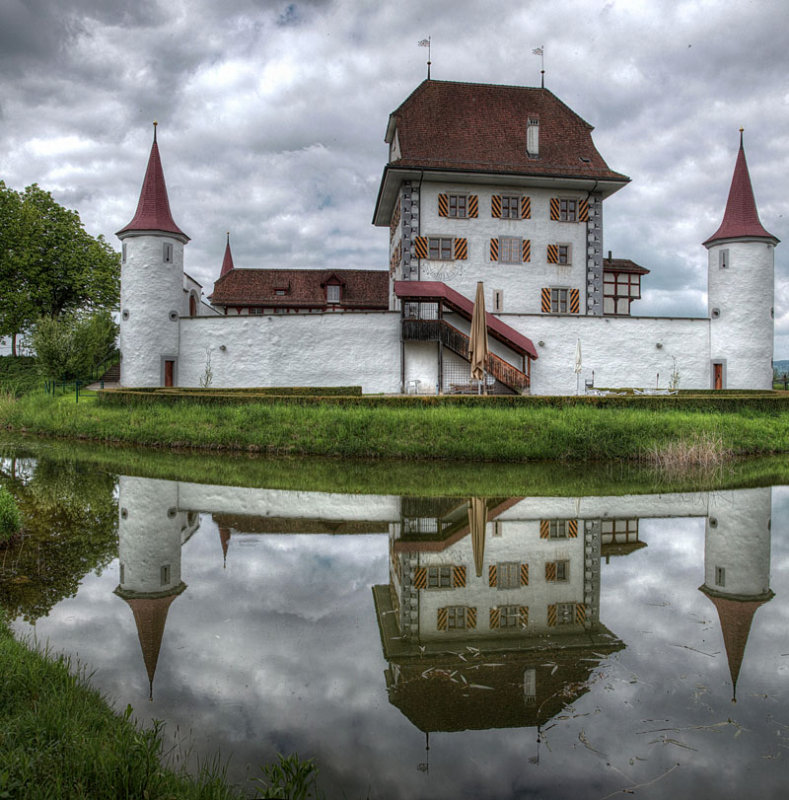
x=227, y=262
x=741, y=218
x=153, y=209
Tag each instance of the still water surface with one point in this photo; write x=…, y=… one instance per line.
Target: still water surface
x=538, y=646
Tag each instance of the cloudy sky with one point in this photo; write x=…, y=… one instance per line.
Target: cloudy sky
x=272, y=116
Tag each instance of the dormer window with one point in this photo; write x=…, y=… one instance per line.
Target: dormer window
x=280, y=292
x=333, y=293
x=533, y=137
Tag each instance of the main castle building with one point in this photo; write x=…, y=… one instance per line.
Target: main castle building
x=495, y=184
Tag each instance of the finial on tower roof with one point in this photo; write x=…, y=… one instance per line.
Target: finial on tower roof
x=155, y=123
x=426, y=43
x=741, y=130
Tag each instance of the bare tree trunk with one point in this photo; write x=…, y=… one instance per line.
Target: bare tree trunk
x=13, y=344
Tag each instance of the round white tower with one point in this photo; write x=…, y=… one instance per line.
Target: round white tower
x=740, y=288
x=737, y=565
x=152, y=266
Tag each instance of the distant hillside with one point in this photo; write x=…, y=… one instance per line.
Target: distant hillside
x=781, y=366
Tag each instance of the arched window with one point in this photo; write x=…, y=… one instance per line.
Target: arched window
x=192, y=306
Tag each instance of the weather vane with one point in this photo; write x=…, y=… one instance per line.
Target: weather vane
x=426, y=43
x=540, y=51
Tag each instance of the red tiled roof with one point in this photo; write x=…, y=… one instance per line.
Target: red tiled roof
x=623, y=265
x=481, y=127
x=420, y=290
x=227, y=262
x=304, y=288
x=741, y=218
x=153, y=208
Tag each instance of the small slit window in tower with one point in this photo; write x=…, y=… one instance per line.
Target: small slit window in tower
x=720, y=576
x=167, y=253
x=165, y=575
x=498, y=300
x=723, y=259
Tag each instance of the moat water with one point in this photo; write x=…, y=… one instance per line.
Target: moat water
x=421, y=647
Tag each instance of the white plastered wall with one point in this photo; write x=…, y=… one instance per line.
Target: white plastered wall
x=150, y=292
x=621, y=351
x=477, y=593
x=520, y=283
x=737, y=539
x=741, y=334
x=338, y=349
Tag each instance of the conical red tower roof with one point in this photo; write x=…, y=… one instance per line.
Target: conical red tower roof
x=736, y=616
x=150, y=615
x=153, y=209
x=227, y=262
x=741, y=219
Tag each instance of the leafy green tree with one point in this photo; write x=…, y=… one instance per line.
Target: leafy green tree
x=70, y=516
x=49, y=264
x=71, y=345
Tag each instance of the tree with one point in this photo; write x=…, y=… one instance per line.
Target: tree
x=71, y=345
x=49, y=264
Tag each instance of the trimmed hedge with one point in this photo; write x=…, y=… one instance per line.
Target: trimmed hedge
x=705, y=401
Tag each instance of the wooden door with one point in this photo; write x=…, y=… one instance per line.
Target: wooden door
x=169, y=369
x=717, y=373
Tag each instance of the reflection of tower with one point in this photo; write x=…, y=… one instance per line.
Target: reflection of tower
x=151, y=531
x=737, y=565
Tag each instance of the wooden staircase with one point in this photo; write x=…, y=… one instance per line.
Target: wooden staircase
x=439, y=330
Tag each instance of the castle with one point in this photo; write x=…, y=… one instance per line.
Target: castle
x=500, y=185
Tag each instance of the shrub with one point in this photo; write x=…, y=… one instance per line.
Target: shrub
x=9, y=515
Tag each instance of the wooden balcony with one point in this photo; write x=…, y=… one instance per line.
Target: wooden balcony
x=439, y=330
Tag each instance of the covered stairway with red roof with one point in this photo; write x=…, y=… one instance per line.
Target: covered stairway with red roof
x=423, y=306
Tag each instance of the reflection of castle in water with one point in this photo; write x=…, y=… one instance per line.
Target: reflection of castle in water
x=491, y=617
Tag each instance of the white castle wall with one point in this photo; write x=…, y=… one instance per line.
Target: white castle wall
x=520, y=283
x=743, y=293
x=339, y=349
x=150, y=291
x=622, y=351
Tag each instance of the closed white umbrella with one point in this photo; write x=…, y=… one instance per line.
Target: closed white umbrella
x=578, y=365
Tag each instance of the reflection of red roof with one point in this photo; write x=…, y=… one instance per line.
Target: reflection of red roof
x=303, y=288
x=480, y=127
x=153, y=208
x=429, y=290
x=150, y=616
x=741, y=218
x=736, y=616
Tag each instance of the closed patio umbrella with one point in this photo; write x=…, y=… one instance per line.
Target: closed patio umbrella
x=578, y=365
x=478, y=341
x=477, y=522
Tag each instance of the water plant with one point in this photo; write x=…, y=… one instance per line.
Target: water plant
x=10, y=519
x=291, y=778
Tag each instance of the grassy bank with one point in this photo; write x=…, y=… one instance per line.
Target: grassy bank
x=437, y=431
x=59, y=739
